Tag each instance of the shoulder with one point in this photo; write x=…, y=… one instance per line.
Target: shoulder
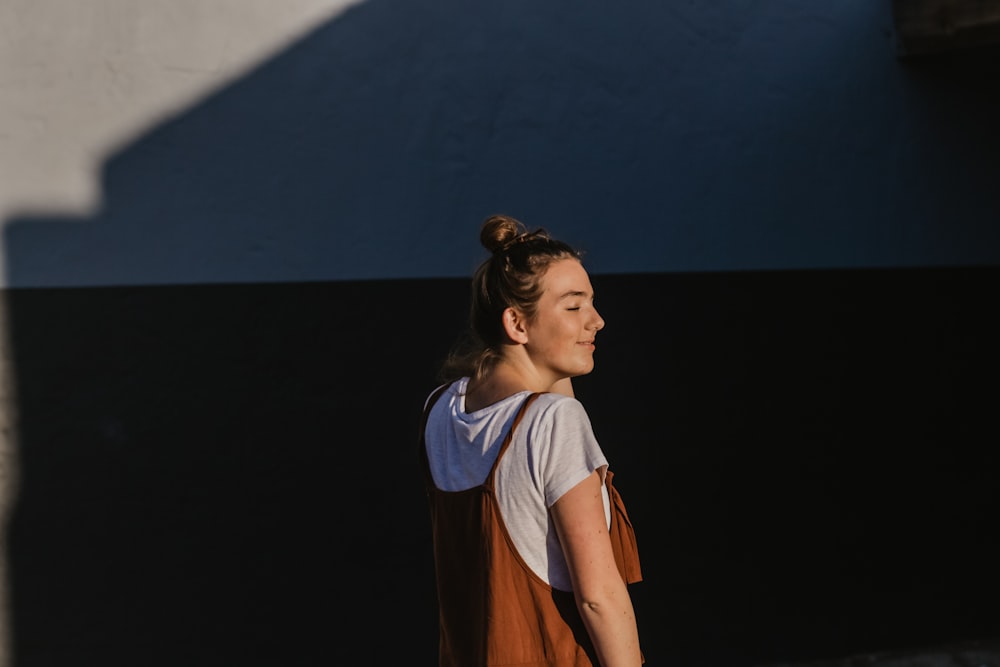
x=558, y=405
x=557, y=411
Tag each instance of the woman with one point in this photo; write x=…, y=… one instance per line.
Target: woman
x=532, y=545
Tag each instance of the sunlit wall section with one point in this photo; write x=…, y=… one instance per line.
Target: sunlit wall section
x=81, y=80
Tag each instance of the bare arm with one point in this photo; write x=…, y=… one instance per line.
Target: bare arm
x=601, y=595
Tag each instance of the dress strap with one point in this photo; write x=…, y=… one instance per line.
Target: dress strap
x=510, y=435
x=622, y=533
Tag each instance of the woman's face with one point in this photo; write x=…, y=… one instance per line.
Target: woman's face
x=561, y=333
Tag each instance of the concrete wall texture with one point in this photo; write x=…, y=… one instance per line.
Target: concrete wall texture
x=218, y=209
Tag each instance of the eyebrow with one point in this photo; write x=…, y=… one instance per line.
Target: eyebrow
x=572, y=293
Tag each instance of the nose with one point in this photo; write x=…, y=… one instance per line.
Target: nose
x=597, y=323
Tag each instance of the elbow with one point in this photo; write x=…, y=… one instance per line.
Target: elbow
x=601, y=606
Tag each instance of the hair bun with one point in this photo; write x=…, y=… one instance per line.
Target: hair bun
x=500, y=231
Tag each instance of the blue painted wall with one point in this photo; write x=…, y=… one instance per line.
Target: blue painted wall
x=659, y=137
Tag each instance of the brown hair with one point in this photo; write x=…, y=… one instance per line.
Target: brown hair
x=509, y=278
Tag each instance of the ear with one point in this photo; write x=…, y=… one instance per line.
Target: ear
x=513, y=324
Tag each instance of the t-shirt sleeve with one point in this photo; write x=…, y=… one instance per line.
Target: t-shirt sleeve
x=565, y=448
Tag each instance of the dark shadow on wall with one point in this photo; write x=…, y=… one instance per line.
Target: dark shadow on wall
x=223, y=474
x=227, y=474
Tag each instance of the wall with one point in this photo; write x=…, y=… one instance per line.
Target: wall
x=768, y=136
x=235, y=238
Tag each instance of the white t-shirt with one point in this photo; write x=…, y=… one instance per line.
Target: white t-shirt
x=553, y=450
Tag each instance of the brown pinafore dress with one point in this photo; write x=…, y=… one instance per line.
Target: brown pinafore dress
x=493, y=610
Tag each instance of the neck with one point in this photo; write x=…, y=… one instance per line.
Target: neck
x=507, y=378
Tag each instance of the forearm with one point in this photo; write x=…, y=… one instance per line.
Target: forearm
x=610, y=622
x=601, y=595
